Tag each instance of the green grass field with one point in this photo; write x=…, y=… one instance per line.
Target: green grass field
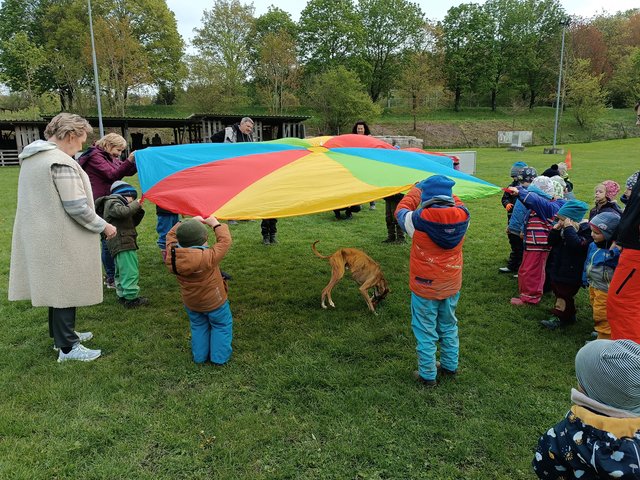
x=309, y=393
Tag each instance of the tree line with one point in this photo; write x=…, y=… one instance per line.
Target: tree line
x=343, y=59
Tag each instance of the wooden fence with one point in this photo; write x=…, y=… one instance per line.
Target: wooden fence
x=8, y=157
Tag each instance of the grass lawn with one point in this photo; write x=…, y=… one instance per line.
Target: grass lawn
x=309, y=393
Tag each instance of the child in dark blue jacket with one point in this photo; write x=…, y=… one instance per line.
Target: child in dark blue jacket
x=600, y=436
x=569, y=240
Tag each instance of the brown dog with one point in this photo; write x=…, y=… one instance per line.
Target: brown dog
x=364, y=270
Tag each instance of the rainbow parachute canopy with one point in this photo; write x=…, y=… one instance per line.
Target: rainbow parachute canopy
x=288, y=177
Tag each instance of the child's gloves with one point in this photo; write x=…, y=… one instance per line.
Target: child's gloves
x=509, y=207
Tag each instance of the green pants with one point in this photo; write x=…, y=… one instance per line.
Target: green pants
x=127, y=275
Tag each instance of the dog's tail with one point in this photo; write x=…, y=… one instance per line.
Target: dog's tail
x=313, y=247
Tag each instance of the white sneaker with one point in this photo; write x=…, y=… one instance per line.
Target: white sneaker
x=79, y=352
x=82, y=337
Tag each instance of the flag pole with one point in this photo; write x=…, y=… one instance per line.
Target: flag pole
x=95, y=72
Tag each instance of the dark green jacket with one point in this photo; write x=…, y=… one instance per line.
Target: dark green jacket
x=125, y=217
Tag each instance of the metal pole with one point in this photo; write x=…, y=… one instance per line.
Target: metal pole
x=555, y=126
x=95, y=72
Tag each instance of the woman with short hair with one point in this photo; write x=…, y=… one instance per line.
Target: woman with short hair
x=54, y=249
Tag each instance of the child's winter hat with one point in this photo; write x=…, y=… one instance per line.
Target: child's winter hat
x=632, y=180
x=436, y=186
x=545, y=184
x=528, y=174
x=562, y=169
x=609, y=372
x=611, y=189
x=191, y=233
x=124, y=189
x=605, y=223
x=516, y=169
x=558, y=186
x=574, y=210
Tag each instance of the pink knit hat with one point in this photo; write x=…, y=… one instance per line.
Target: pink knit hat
x=611, y=189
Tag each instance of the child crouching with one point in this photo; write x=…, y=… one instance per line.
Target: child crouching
x=203, y=290
x=600, y=435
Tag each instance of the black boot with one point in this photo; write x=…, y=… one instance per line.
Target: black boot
x=272, y=239
x=390, y=239
x=265, y=240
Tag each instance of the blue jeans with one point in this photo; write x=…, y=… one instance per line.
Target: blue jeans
x=433, y=321
x=107, y=260
x=164, y=224
x=211, y=334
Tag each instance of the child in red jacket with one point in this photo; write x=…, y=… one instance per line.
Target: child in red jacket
x=436, y=221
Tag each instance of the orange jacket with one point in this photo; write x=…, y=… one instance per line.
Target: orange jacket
x=196, y=268
x=435, y=271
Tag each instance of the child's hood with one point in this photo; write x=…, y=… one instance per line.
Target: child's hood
x=36, y=147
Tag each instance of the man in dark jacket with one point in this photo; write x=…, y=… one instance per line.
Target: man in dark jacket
x=239, y=132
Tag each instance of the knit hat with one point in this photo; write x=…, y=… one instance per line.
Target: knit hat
x=191, y=233
x=124, y=189
x=516, y=169
x=528, y=174
x=558, y=186
x=562, y=170
x=435, y=186
x=606, y=223
x=632, y=180
x=544, y=184
x=574, y=210
x=552, y=171
x=609, y=372
x=611, y=189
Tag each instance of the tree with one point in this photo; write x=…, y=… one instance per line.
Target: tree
x=222, y=45
x=416, y=81
x=390, y=28
x=466, y=42
x=137, y=43
x=275, y=20
x=506, y=47
x=25, y=59
x=624, y=87
x=584, y=94
x=340, y=100
x=330, y=33
x=123, y=65
x=277, y=71
x=22, y=60
x=540, y=32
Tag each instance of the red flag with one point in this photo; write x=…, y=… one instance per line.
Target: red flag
x=567, y=159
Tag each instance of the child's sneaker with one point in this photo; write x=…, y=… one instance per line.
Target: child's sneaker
x=82, y=337
x=505, y=270
x=552, y=324
x=424, y=381
x=136, y=302
x=110, y=282
x=80, y=353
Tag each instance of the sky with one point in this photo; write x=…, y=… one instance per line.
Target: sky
x=189, y=13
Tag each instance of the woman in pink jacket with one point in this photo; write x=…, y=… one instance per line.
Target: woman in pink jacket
x=103, y=165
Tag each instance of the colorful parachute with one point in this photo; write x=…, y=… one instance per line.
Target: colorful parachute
x=287, y=177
